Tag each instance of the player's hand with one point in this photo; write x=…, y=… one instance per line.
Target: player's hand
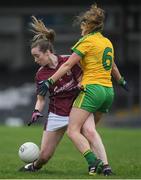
x=44, y=87
x=80, y=88
x=123, y=84
x=35, y=115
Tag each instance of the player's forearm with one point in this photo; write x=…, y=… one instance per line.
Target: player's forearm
x=64, y=68
x=120, y=79
x=115, y=72
x=40, y=103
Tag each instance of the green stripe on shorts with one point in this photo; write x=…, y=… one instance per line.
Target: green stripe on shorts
x=79, y=99
x=96, y=98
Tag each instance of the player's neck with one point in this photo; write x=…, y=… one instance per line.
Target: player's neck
x=54, y=62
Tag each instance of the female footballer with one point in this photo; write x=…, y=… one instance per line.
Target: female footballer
x=96, y=55
x=62, y=95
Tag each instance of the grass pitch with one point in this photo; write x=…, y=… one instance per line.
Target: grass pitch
x=123, y=149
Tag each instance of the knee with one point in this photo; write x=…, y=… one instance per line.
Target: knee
x=90, y=133
x=70, y=133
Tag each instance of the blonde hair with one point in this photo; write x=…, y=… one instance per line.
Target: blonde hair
x=44, y=37
x=93, y=19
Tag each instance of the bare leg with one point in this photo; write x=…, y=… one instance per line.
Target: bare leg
x=50, y=140
x=76, y=121
x=97, y=117
x=94, y=138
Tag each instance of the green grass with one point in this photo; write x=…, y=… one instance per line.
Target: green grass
x=123, y=148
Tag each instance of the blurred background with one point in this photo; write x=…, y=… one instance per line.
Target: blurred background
x=17, y=68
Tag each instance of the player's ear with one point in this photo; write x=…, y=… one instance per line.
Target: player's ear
x=48, y=52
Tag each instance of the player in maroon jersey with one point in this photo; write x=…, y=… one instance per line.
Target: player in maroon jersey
x=62, y=95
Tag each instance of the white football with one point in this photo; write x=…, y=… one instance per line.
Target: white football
x=28, y=152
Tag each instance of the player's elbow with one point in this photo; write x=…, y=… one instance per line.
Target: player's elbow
x=73, y=59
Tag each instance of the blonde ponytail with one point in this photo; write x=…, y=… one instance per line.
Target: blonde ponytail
x=41, y=31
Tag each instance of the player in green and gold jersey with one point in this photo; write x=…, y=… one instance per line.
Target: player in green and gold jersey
x=96, y=56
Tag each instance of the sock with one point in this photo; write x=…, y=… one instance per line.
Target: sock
x=90, y=157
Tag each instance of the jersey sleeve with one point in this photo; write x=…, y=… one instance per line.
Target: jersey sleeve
x=82, y=47
x=39, y=77
x=36, y=83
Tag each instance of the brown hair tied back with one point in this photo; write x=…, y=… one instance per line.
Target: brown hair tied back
x=44, y=37
x=41, y=31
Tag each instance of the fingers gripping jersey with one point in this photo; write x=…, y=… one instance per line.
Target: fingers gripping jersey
x=97, y=56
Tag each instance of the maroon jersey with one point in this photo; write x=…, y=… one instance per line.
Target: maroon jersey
x=63, y=92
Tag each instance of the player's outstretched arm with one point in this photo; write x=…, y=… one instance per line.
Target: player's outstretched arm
x=120, y=79
x=38, y=109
